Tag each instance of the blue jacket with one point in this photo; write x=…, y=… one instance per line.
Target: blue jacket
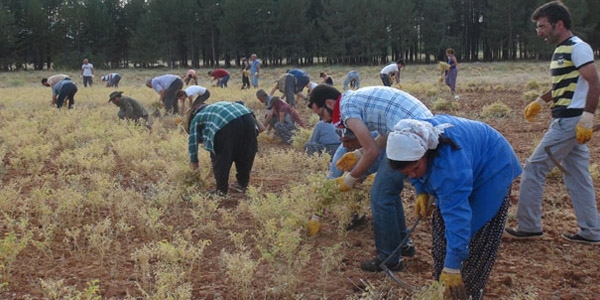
x=469, y=184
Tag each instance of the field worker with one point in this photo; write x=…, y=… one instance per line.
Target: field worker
x=245, y=73
x=452, y=72
x=326, y=78
x=391, y=71
x=228, y=131
x=323, y=139
x=64, y=90
x=166, y=86
x=200, y=92
x=574, y=98
x=468, y=167
x=190, y=77
x=53, y=80
x=286, y=84
x=87, y=72
x=302, y=81
x=311, y=85
x=362, y=111
x=352, y=81
x=129, y=108
x=112, y=79
x=254, y=70
x=283, y=119
x=220, y=76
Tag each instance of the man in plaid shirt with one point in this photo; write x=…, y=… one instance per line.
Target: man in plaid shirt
x=228, y=131
x=362, y=111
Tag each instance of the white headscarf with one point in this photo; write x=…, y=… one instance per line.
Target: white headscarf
x=411, y=139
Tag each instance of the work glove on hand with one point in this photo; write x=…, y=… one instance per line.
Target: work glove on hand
x=423, y=208
x=454, y=286
x=345, y=182
x=314, y=225
x=348, y=160
x=584, y=127
x=533, y=109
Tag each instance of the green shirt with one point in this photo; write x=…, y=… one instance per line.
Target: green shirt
x=131, y=108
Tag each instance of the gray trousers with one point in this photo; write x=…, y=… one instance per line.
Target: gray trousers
x=575, y=158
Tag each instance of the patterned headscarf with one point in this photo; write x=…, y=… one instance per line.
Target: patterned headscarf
x=411, y=139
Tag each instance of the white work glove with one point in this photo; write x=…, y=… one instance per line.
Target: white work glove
x=345, y=182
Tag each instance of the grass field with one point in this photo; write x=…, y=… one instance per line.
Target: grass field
x=95, y=208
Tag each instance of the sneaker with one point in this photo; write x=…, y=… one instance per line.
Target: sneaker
x=373, y=265
x=238, y=188
x=409, y=250
x=579, y=239
x=523, y=235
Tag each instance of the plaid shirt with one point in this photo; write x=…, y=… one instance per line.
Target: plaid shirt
x=208, y=121
x=380, y=108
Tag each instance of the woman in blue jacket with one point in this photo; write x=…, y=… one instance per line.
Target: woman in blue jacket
x=468, y=167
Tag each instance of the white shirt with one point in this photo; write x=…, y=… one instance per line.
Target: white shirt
x=194, y=90
x=88, y=69
x=391, y=68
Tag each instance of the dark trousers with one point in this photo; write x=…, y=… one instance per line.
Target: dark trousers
x=67, y=92
x=170, y=98
x=385, y=79
x=235, y=143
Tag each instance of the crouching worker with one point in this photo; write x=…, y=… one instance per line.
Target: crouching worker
x=468, y=167
x=129, y=108
x=228, y=131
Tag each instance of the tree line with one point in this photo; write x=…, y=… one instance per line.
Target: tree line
x=201, y=33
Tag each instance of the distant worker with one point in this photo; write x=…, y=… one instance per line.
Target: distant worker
x=129, y=108
x=64, y=90
x=254, y=70
x=352, y=81
x=190, y=77
x=53, y=80
x=326, y=78
x=166, y=86
x=391, y=72
x=221, y=76
x=112, y=80
x=87, y=72
x=200, y=92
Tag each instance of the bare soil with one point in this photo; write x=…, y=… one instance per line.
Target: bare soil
x=549, y=268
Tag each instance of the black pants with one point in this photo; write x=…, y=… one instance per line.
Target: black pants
x=234, y=143
x=170, y=98
x=67, y=92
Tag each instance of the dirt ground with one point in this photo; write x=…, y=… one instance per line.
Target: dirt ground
x=549, y=268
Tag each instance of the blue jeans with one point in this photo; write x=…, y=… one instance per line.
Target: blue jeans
x=388, y=213
x=223, y=81
x=352, y=76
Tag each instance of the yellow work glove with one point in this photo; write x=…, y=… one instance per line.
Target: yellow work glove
x=348, y=160
x=584, y=127
x=533, y=109
x=314, y=225
x=454, y=286
x=422, y=207
x=345, y=182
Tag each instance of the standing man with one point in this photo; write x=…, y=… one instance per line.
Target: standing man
x=112, y=80
x=391, y=71
x=87, y=72
x=166, y=86
x=221, y=76
x=364, y=110
x=228, y=131
x=254, y=70
x=574, y=96
x=64, y=90
x=129, y=108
